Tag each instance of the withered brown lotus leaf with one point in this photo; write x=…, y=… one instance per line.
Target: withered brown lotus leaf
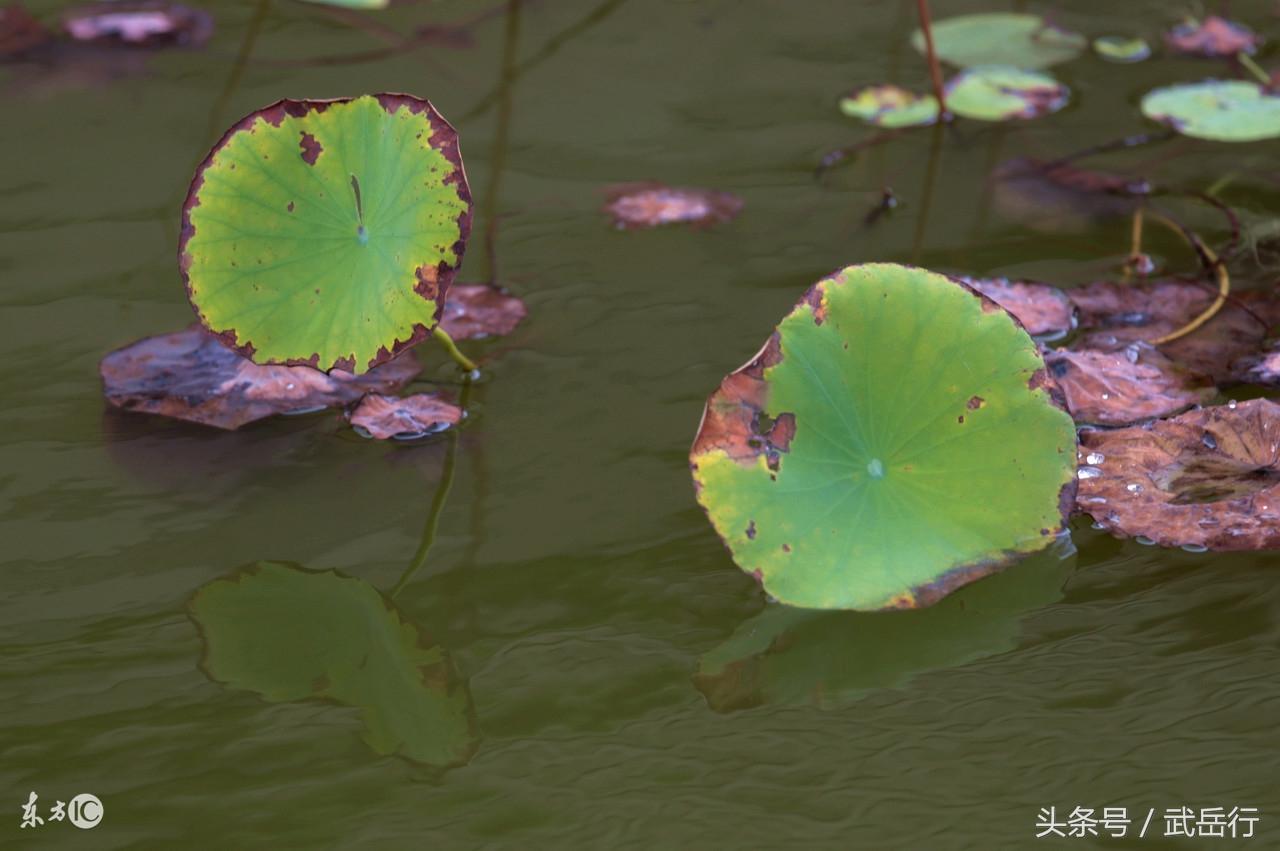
x=190, y=375
x=473, y=311
x=384, y=417
x=646, y=205
x=1124, y=387
x=1115, y=314
x=1043, y=310
x=1209, y=478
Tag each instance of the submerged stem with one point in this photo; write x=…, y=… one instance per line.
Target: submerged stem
x=437, y=502
x=443, y=338
x=1254, y=68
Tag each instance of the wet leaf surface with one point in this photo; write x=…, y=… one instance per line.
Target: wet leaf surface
x=890, y=106
x=1122, y=387
x=148, y=23
x=1218, y=110
x=298, y=244
x=403, y=418
x=997, y=93
x=1058, y=197
x=635, y=206
x=290, y=634
x=1214, y=37
x=189, y=375
x=784, y=655
x=475, y=311
x=19, y=32
x=1113, y=315
x=1000, y=38
x=1121, y=49
x=1208, y=478
x=1044, y=311
x=840, y=465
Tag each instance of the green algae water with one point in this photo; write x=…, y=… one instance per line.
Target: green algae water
x=592, y=671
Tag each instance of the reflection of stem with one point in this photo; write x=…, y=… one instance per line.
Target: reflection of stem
x=237, y=68
x=988, y=184
x=498, y=157
x=1211, y=262
x=549, y=49
x=935, y=70
x=437, y=502
x=1135, y=242
x=1134, y=141
x=443, y=338
x=926, y=198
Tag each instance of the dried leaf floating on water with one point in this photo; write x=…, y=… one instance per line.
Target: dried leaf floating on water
x=1214, y=37
x=404, y=418
x=1043, y=310
x=1115, y=314
x=646, y=205
x=475, y=311
x=1123, y=387
x=189, y=375
x=1205, y=479
x=840, y=464
x=147, y=23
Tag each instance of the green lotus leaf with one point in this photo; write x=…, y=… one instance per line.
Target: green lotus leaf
x=1220, y=110
x=1122, y=49
x=997, y=93
x=1000, y=38
x=895, y=438
x=292, y=634
x=327, y=233
x=890, y=106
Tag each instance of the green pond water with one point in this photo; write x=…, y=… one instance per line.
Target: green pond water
x=599, y=673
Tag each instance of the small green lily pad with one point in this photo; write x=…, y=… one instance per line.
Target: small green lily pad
x=1220, y=110
x=896, y=438
x=1001, y=38
x=292, y=634
x=1121, y=49
x=890, y=106
x=326, y=233
x=996, y=93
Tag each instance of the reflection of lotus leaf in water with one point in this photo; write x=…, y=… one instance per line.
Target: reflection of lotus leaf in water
x=1218, y=110
x=896, y=437
x=291, y=634
x=786, y=655
x=1000, y=38
x=327, y=233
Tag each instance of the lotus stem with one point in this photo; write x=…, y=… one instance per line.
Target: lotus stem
x=1254, y=68
x=437, y=502
x=935, y=70
x=1212, y=262
x=442, y=337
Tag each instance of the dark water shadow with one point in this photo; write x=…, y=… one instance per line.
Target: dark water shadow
x=784, y=655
